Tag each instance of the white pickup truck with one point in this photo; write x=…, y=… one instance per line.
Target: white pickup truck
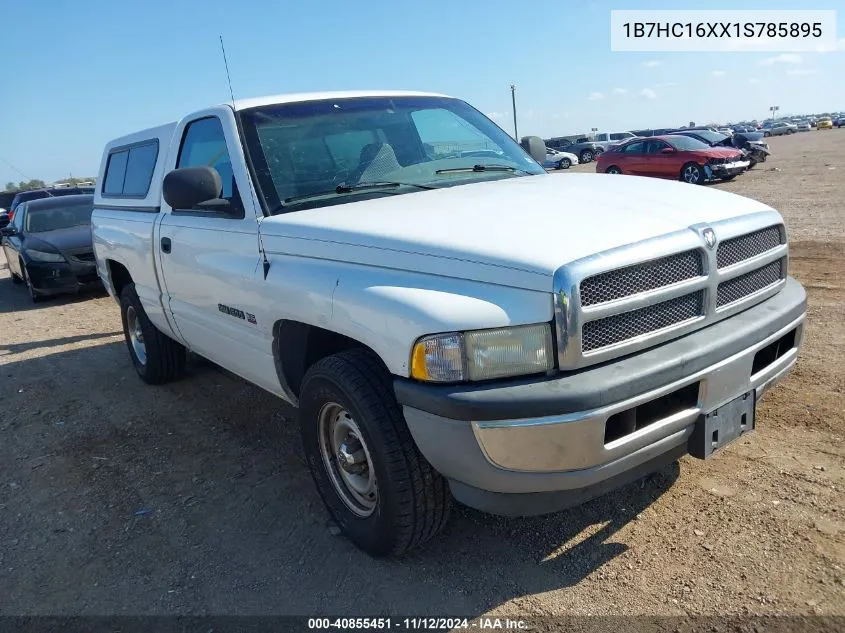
x=451, y=321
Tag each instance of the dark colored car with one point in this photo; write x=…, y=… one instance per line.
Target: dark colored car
x=673, y=156
x=48, y=246
x=49, y=192
x=584, y=149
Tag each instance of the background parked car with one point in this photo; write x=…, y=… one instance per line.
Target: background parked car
x=840, y=121
x=585, y=150
x=675, y=157
x=803, y=126
x=49, y=192
x=559, y=160
x=825, y=124
x=48, y=245
x=781, y=127
x=4, y=218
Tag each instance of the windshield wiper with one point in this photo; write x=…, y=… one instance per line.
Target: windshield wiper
x=344, y=188
x=479, y=168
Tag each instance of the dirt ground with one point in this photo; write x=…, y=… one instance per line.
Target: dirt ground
x=192, y=498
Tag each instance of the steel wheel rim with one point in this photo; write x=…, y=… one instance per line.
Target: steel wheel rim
x=691, y=175
x=136, y=335
x=347, y=460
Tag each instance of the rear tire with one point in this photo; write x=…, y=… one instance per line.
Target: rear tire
x=564, y=163
x=586, y=156
x=613, y=169
x=157, y=358
x=394, y=500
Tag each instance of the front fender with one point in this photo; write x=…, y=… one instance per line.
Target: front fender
x=389, y=310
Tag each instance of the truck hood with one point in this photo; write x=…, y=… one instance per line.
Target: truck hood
x=515, y=231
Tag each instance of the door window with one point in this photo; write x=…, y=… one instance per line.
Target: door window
x=655, y=147
x=634, y=148
x=205, y=145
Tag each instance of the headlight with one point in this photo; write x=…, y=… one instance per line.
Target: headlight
x=483, y=354
x=43, y=256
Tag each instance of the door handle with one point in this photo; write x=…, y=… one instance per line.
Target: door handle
x=165, y=245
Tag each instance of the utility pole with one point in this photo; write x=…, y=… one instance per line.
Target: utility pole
x=773, y=110
x=513, y=101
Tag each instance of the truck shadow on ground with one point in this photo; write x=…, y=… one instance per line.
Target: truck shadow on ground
x=193, y=498
x=15, y=297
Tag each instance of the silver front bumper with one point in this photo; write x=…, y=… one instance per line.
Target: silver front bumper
x=576, y=441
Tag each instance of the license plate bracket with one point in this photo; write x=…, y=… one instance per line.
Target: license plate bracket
x=722, y=426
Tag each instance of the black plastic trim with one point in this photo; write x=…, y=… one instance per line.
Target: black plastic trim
x=118, y=207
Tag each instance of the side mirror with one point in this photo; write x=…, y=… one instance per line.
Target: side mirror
x=8, y=231
x=535, y=147
x=189, y=187
x=667, y=150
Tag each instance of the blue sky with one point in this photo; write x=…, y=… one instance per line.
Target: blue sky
x=79, y=74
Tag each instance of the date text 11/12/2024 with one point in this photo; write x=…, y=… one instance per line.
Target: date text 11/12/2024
x=417, y=623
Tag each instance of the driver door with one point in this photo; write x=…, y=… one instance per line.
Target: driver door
x=656, y=163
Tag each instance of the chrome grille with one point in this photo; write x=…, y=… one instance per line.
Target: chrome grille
x=744, y=247
x=749, y=283
x=632, y=280
x=622, y=327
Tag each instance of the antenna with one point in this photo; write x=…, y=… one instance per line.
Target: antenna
x=254, y=196
x=228, y=78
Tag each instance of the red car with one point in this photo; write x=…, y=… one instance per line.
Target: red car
x=675, y=157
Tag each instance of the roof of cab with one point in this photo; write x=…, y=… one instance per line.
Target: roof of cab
x=243, y=104
x=160, y=132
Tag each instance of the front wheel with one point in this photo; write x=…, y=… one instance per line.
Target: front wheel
x=692, y=173
x=157, y=358
x=382, y=493
x=767, y=134
x=564, y=163
x=33, y=293
x=613, y=169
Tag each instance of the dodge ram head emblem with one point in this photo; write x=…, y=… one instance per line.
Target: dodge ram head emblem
x=709, y=237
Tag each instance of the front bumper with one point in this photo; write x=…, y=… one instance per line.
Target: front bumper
x=726, y=169
x=532, y=446
x=57, y=278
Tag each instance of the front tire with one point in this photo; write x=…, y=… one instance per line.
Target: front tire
x=564, y=163
x=33, y=293
x=157, y=358
x=693, y=174
x=382, y=493
x=613, y=169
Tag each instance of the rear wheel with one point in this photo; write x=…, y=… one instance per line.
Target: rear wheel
x=613, y=169
x=692, y=173
x=564, y=163
x=382, y=493
x=157, y=358
x=586, y=156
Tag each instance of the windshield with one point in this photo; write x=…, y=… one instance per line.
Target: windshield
x=325, y=148
x=686, y=143
x=711, y=137
x=56, y=218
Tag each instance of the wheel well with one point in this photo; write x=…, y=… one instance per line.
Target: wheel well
x=297, y=346
x=119, y=276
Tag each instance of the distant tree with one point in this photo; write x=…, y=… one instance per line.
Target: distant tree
x=32, y=184
x=10, y=187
